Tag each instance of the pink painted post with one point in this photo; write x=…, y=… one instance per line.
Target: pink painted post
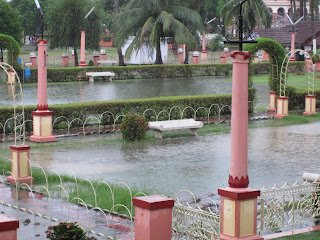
x=272, y=101
x=223, y=59
x=195, y=57
x=238, y=218
x=103, y=55
x=265, y=56
x=226, y=52
x=11, y=77
x=96, y=57
x=282, y=107
x=42, y=118
x=180, y=56
x=153, y=217
x=204, y=54
x=8, y=227
x=65, y=60
x=20, y=165
x=310, y=104
x=83, y=49
x=293, y=45
x=33, y=60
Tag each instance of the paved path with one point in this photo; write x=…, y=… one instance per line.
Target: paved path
x=34, y=211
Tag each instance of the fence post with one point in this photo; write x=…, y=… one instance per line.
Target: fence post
x=153, y=217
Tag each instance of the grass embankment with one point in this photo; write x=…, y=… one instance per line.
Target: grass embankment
x=107, y=196
x=305, y=236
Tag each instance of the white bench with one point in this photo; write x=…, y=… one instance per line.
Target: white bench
x=100, y=74
x=169, y=125
x=105, y=63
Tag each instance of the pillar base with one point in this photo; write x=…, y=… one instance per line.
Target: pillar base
x=82, y=65
x=8, y=227
x=28, y=180
x=279, y=116
x=42, y=127
x=271, y=110
x=310, y=104
x=238, y=217
x=282, y=107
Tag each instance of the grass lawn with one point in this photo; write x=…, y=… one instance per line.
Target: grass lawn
x=305, y=236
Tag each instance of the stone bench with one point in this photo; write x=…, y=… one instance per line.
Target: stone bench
x=100, y=74
x=170, y=125
x=105, y=63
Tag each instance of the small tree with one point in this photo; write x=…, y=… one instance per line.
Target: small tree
x=133, y=127
x=66, y=230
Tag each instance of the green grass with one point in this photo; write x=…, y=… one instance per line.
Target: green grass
x=305, y=236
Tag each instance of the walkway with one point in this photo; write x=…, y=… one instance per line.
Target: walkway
x=34, y=210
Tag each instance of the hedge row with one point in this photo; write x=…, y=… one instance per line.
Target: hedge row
x=70, y=74
x=93, y=109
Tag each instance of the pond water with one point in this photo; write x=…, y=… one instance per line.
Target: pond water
x=60, y=93
x=200, y=164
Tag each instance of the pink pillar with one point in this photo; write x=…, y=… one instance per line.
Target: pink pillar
x=310, y=104
x=195, y=57
x=42, y=118
x=293, y=45
x=20, y=165
x=33, y=60
x=265, y=56
x=103, y=55
x=204, y=54
x=272, y=101
x=223, y=59
x=96, y=57
x=153, y=217
x=282, y=107
x=83, y=49
x=238, y=218
x=180, y=56
x=11, y=77
x=8, y=227
x=65, y=60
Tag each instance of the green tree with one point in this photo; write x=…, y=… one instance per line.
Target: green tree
x=255, y=12
x=9, y=25
x=154, y=20
x=29, y=15
x=65, y=18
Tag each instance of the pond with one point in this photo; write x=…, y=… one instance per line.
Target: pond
x=200, y=164
x=60, y=93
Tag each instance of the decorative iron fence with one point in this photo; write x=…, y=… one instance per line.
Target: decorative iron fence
x=288, y=206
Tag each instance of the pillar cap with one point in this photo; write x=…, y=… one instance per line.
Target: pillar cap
x=153, y=202
x=19, y=147
x=239, y=194
x=245, y=54
x=33, y=54
x=8, y=223
x=43, y=41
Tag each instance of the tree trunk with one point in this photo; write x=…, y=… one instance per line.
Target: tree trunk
x=301, y=8
x=75, y=57
x=295, y=11
x=121, y=59
x=158, y=53
x=186, y=59
x=1, y=55
x=120, y=55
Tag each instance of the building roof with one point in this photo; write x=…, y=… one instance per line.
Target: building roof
x=283, y=35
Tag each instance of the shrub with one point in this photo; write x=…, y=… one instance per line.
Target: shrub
x=133, y=127
x=90, y=63
x=66, y=230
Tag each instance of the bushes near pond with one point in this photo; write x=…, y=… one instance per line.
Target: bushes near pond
x=69, y=74
x=133, y=127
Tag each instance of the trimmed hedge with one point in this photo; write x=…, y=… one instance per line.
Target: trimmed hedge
x=84, y=110
x=70, y=74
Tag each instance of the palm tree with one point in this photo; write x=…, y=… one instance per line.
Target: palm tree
x=255, y=12
x=153, y=20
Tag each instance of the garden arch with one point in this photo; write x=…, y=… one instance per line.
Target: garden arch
x=18, y=105
x=13, y=47
x=277, y=54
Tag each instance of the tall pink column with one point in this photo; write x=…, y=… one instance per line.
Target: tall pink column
x=42, y=118
x=204, y=54
x=83, y=49
x=238, y=218
x=293, y=45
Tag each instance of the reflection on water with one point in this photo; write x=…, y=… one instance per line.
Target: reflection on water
x=200, y=164
x=59, y=93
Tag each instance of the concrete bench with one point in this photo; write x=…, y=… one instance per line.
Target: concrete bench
x=105, y=63
x=170, y=125
x=100, y=74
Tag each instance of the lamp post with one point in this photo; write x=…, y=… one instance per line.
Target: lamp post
x=204, y=53
x=293, y=36
x=238, y=218
x=42, y=117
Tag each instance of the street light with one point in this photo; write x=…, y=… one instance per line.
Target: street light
x=41, y=17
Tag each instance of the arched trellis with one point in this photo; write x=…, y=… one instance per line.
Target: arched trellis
x=277, y=54
x=18, y=104
x=284, y=71
x=13, y=48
